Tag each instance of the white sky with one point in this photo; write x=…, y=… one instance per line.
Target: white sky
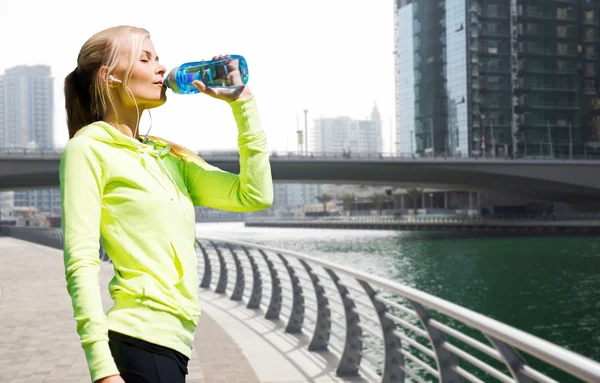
x=332, y=57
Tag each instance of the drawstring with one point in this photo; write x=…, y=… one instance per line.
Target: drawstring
x=144, y=153
x=168, y=174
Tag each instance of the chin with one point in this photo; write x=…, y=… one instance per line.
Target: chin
x=150, y=104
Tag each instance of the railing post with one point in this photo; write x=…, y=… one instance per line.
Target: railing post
x=222, y=283
x=256, y=294
x=350, y=359
x=274, y=308
x=103, y=255
x=513, y=360
x=297, y=315
x=445, y=359
x=320, y=339
x=394, y=360
x=207, y=276
x=238, y=289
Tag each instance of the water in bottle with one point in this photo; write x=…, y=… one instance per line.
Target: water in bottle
x=229, y=72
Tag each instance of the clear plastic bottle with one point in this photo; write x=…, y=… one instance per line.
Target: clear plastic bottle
x=230, y=72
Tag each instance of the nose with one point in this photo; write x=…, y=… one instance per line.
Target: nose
x=162, y=70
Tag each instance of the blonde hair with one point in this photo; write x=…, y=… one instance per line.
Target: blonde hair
x=87, y=93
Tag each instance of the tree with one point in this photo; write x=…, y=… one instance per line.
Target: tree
x=324, y=198
x=414, y=194
x=378, y=199
x=348, y=200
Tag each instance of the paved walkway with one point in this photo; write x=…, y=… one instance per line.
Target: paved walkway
x=38, y=338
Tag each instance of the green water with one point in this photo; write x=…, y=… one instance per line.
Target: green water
x=549, y=287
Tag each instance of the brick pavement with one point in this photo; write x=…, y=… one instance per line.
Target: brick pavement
x=38, y=338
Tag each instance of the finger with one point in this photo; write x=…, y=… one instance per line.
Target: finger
x=205, y=89
x=200, y=85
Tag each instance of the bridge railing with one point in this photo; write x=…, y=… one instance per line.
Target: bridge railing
x=379, y=329
x=292, y=155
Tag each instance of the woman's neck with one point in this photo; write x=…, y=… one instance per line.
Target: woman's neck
x=125, y=122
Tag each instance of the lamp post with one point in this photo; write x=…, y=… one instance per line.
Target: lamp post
x=305, y=132
x=570, y=142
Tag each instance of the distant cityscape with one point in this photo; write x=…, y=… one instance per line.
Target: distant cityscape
x=473, y=78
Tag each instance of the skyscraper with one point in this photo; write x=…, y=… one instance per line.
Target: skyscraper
x=498, y=77
x=26, y=120
x=26, y=106
x=339, y=134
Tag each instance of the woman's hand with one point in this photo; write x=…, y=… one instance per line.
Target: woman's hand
x=111, y=379
x=227, y=94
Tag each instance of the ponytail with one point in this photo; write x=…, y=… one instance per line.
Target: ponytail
x=79, y=101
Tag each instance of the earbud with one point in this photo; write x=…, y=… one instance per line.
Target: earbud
x=112, y=78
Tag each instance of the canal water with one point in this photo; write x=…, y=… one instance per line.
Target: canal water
x=549, y=287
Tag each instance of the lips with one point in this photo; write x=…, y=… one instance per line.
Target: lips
x=159, y=83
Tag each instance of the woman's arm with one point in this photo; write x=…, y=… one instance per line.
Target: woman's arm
x=81, y=187
x=252, y=188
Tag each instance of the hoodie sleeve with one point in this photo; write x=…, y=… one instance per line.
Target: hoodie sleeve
x=81, y=188
x=252, y=188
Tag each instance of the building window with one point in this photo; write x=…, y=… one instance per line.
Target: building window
x=562, y=65
x=532, y=10
x=492, y=10
x=562, y=31
x=562, y=48
x=589, y=34
x=590, y=69
x=561, y=13
x=589, y=85
x=588, y=17
x=590, y=52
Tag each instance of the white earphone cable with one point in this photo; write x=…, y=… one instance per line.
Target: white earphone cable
x=137, y=110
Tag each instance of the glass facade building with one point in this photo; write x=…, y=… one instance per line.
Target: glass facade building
x=499, y=77
x=405, y=79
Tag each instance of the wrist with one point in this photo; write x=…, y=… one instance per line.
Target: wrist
x=246, y=93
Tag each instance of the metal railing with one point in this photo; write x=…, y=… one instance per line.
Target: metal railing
x=563, y=156
x=379, y=325
x=379, y=329
x=450, y=218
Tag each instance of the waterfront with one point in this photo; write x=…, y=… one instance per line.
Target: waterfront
x=545, y=286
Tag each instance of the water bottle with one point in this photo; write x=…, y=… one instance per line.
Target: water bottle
x=229, y=72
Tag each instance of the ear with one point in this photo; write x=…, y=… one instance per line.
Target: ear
x=103, y=74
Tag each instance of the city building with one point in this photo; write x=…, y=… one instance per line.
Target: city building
x=26, y=121
x=498, y=78
x=345, y=137
x=292, y=196
x=339, y=135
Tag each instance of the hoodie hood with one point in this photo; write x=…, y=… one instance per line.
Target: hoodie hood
x=104, y=132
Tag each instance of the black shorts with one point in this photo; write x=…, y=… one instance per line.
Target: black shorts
x=139, y=361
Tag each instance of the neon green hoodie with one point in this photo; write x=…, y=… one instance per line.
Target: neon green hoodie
x=138, y=200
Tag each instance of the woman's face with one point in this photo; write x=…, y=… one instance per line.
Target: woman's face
x=146, y=80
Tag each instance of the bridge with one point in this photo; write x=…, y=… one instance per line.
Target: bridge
x=328, y=322
x=568, y=180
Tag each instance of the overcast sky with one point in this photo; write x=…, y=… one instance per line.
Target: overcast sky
x=332, y=57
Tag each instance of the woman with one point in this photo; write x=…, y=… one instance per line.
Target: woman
x=138, y=198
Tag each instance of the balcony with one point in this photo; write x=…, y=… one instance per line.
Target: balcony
x=523, y=70
x=545, y=16
x=495, y=34
x=546, y=52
